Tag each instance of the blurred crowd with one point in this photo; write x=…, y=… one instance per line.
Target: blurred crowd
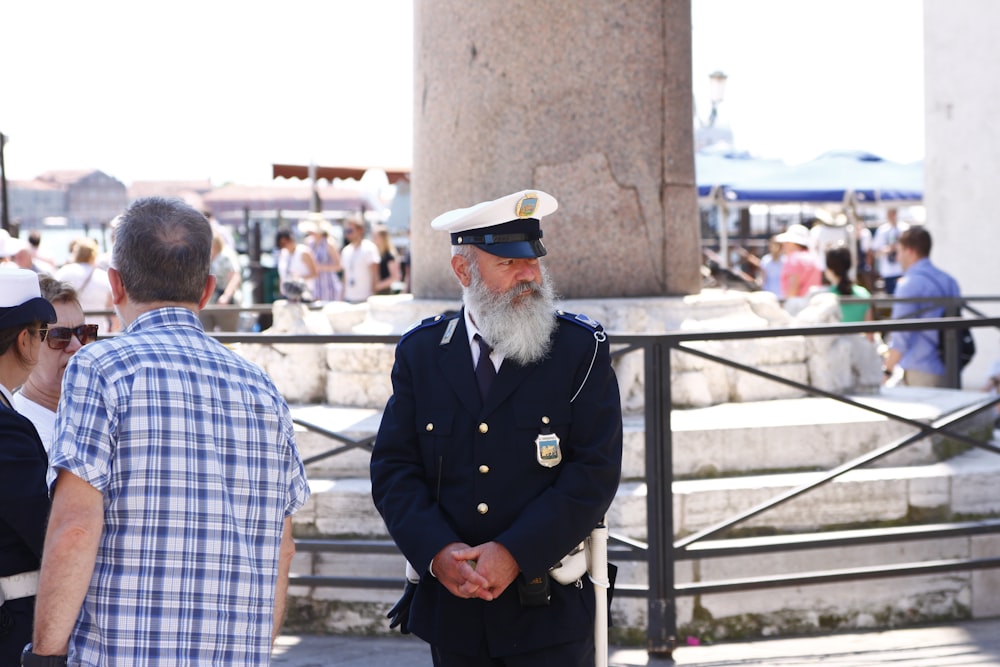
x=797, y=259
x=315, y=260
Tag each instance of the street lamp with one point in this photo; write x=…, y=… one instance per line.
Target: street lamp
x=707, y=131
x=716, y=91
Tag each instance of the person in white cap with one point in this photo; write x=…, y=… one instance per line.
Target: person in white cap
x=498, y=452
x=800, y=271
x=24, y=507
x=12, y=251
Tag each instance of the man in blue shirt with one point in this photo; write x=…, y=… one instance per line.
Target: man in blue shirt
x=916, y=352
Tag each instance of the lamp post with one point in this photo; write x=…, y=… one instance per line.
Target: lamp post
x=707, y=134
x=716, y=92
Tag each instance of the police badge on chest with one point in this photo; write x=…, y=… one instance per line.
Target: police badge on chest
x=547, y=450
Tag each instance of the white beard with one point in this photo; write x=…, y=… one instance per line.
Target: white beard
x=518, y=328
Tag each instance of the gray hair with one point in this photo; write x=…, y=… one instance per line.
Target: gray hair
x=163, y=251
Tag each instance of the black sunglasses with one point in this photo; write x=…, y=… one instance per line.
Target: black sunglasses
x=58, y=337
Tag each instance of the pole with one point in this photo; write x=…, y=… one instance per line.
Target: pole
x=315, y=203
x=661, y=604
x=5, y=220
x=599, y=577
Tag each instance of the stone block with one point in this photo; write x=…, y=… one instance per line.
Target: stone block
x=749, y=388
x=986, y=582
x=627, y=514
x=828, y=607
x=342, y=317
x=930, y=495
x=360, y=390
x=354, y=423
x=976, y=494
x=344, y=508
x=633, y=449
x=699, y=388
x=298, y=371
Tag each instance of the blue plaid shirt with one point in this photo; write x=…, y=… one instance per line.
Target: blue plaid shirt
x=193, y=449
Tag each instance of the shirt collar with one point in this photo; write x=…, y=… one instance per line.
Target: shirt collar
x=471, y=329
x=8, y=396
x=166, y=316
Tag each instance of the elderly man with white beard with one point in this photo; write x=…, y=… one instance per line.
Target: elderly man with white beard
x=499, y=450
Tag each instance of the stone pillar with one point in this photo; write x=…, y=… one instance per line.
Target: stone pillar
x=962, y=99
x=589, y=101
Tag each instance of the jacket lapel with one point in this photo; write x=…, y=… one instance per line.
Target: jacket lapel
x=455, y=362
x=509, y=378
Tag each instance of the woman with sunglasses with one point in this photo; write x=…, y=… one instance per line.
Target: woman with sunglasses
x=39, y=396
x=24, y=498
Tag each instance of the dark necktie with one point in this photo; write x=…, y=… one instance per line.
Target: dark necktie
x=485, y=372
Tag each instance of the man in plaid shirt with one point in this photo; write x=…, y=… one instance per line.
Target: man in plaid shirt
x=176, y=475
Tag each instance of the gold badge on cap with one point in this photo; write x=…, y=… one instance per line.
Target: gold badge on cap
x=526, y=206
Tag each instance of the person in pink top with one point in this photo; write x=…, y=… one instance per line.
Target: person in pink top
x=800, y=271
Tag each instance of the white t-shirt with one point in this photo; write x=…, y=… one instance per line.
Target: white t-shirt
x=291, y=266
x=887, y=235
x=357, y=261
x=43, y=418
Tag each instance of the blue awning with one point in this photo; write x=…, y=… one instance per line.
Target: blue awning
x=833, y=177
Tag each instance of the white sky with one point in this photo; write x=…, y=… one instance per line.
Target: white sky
x=222, y=89
x=809, y=76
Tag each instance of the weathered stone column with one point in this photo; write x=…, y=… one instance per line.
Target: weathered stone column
x=589, y=101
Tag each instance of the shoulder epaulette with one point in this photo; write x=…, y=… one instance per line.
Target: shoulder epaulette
x=431, y=322
x=581, y=320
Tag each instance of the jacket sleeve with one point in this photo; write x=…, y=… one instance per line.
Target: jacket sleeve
x=24, y=497
x=403, y=481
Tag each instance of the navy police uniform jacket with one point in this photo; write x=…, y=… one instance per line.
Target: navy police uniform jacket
x=24, y=510
x=447, y=468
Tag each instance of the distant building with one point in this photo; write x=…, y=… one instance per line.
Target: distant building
x=31, y=202
x=78, y=198
x=190, y=191
x=291, y=202
x=92, y=197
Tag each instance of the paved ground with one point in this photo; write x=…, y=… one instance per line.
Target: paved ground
x=968, y=644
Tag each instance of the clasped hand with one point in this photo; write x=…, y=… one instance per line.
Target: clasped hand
x=483, y=571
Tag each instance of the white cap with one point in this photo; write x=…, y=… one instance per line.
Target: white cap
x=21, y=299
x=506, y=227
x=797, y=234
x=10, y=246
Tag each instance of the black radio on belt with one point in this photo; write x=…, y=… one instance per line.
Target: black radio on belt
x=30, y=659
x=534, y=592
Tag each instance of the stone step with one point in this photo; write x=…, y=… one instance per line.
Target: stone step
x=793, y=609
x=962, y=486
x=726, y=439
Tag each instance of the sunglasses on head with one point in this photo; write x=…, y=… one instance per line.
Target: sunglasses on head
x=58, y=337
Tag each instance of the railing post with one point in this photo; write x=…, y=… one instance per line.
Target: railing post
x=952, y=372
x=254, y=251
x=661, y=603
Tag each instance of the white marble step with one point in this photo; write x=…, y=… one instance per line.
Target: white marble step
x=732, y=438
x=962, y=486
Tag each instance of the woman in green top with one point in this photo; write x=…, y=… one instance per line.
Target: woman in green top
x=838, y=272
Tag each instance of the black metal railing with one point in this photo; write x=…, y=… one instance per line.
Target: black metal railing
x=663, y=548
